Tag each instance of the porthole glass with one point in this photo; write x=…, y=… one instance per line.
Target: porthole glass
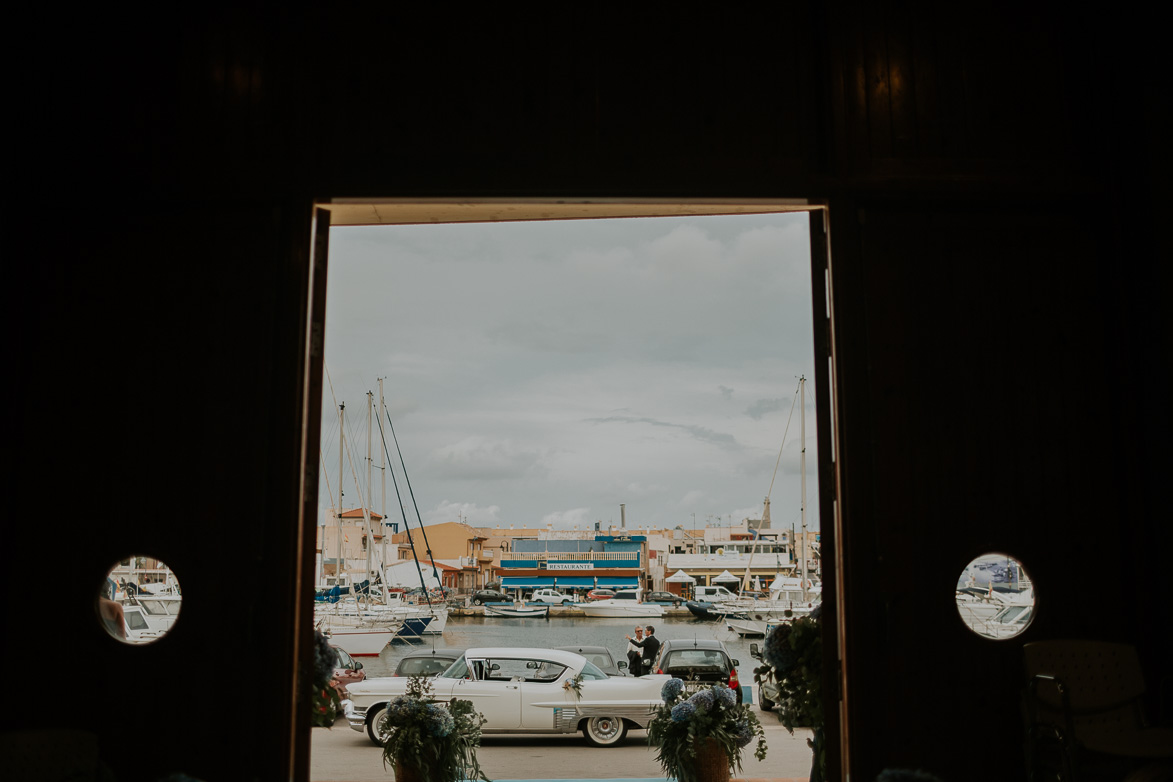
x=139, y=601
x=995, y=596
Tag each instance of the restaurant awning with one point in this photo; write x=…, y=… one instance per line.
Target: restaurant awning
x=680, y=577
x=726, y=576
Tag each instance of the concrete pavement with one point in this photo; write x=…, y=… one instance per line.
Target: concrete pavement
x=340, y=754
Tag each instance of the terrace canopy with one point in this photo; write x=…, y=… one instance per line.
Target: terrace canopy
x=680, y=577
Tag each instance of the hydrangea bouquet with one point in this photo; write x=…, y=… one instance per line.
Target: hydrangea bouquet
x=793, y=657
x=686, y=728
x=432, y=741
x=326, y=702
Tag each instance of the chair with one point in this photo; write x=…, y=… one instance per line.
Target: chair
x=1084, y=713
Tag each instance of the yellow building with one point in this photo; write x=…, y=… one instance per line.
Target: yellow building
x=451, y=541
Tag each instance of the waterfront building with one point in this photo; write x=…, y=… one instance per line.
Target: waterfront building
x=343, y=546
x=455, y=543
x=562, y=560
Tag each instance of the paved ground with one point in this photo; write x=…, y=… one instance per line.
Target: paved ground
x=340, y=754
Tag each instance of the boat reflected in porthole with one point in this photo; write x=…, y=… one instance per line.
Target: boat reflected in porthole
x=139, y=601
x=995, y=596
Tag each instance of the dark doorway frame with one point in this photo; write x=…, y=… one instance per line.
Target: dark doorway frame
x=413, y=211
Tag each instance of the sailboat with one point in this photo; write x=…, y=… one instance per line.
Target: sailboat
x=434, y=614
x=358, y=632
x=789, y=597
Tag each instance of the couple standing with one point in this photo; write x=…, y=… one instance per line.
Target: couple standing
x=641, y=650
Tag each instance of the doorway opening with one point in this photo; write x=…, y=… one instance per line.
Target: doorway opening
x=573, y=369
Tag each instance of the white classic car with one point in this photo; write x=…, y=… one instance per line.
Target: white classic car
x=525, y=691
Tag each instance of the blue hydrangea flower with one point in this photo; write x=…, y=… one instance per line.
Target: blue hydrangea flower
x=671, y=689
x=703, y=700
x=404, y=710
x=682, y=712
x=743, y=734
x=437, y=721
x=725, y=696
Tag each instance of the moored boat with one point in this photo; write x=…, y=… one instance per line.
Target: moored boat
x=622, y=608
x=517, y=611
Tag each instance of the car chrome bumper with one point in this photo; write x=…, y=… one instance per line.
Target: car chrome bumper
x=356, y=716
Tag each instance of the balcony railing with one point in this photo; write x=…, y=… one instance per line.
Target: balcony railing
x=579, y=556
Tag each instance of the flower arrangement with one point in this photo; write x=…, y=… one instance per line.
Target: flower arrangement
x=574, y=684
x=325, y=700
x=793, y=657
x=432, y=741
x=687, y=729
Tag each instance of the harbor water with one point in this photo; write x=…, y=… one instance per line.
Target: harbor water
x=464, y=632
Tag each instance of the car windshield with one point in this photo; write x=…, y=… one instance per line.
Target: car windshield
x=458, y=670
x=591, y=671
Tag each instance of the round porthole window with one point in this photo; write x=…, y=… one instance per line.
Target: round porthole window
x=995, y=597
x=139, y=601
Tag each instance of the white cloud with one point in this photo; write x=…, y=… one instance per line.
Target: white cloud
x=566, y=519
x=543, y=366
x=468, y=512
x=485, y=459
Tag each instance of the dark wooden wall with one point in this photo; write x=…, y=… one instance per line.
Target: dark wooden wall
x=993, y=183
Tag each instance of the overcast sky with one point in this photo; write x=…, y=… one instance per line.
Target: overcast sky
x=546, y=372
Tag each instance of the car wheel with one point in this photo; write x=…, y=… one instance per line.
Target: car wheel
x=764, y=703
x=604, y=731
x=565, y=603
x=676, y=603
x=375, y=717
x=478, y=602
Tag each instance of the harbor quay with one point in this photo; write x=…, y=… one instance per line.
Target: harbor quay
x=573, y=610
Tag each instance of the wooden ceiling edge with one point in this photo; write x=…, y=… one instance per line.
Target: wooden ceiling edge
x=422, y=211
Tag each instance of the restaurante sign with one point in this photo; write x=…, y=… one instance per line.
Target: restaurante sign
x=570, y=566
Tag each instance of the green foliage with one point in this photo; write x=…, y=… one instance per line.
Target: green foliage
x=437, y=738
x=683, y=724
x=793, y=657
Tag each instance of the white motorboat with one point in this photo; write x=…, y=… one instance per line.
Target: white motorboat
x=1008, y=622
x=746, y=627
x=615, y=607
x=517, y=610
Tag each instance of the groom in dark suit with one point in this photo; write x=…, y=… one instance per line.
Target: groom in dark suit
x=650, y=645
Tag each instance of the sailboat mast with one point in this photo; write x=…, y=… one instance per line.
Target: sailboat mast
x=370, y=466
x=341, y=456
x=383, y=476
x=802, y=435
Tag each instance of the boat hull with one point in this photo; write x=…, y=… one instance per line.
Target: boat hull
x=360, y=641
x=514, y=612
x=602, y=608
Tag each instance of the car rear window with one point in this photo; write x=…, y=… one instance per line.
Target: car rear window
x=422, y=665
x=699, y=659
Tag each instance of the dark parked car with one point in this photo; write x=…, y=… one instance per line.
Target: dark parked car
x=427, y=663
x=662, y=597
x=482, y=596
x=600, y=656
x=699, y=662
x=347, y=671
x=600, y=594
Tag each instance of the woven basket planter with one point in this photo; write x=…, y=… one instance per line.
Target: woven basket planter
x=712, y=764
